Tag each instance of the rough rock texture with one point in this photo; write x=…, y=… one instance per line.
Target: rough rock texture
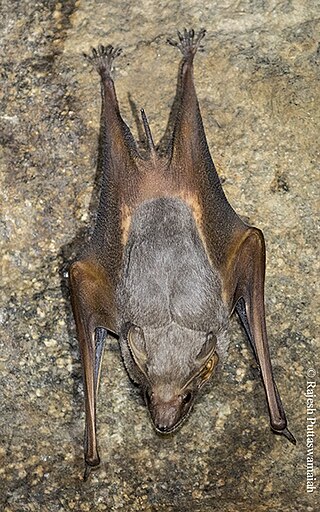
x=258, y=86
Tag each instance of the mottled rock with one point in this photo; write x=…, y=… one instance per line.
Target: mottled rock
x=258, y=87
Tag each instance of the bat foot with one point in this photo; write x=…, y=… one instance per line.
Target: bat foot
x=188, y=42
x=102, y=59
x=286, y=433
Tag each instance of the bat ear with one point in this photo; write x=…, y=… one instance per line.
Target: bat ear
x=207, y=348
x=137, y=346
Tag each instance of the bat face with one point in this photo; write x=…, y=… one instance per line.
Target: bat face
x=170, y=380
x=168, y=262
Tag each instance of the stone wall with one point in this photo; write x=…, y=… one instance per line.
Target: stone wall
x=258, y=87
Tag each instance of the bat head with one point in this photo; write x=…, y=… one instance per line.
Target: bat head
x=170, y=364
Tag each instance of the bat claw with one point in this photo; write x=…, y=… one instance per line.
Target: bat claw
x=180, y=35
x=87, y=471
x=289, y=436
x=102, y=58
x=286, y=433
x=172, y=42
x=189, y=43
x=88, y=468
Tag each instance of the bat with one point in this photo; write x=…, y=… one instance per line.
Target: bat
x=167, y=264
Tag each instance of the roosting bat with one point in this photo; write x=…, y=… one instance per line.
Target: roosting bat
x=168, y=262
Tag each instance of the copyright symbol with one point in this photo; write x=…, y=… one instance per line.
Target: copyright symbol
x=311, y=373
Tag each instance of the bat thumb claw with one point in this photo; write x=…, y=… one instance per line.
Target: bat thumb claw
x=87, y=471
x=289, y=436
x=286, y=433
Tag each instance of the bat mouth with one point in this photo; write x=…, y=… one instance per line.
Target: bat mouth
x=166, y=430
x=163, y=427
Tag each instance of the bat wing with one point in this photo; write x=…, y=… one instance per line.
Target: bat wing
x=92, y=298
x=93, y=279
x=235, y=249
x=244, y=289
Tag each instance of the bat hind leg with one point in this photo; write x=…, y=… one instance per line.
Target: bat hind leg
x=102, y=58
x=188, y=42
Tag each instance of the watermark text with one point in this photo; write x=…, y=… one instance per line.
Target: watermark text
x=311, y=421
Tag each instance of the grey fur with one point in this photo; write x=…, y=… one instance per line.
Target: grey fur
x=170, y=290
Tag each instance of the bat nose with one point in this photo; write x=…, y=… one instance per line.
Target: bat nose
x=163, y=427
x=165, y=417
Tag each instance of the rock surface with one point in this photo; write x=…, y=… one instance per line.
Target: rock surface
x=258, y=87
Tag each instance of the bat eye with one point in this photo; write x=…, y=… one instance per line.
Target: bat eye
x=187, y=398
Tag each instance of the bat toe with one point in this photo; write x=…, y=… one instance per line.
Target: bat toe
x=188, y=42
x=102, y=58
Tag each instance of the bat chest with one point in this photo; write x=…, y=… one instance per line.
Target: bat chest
x=166, y=275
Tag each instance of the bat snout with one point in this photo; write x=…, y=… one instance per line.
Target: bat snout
x=167, y=415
